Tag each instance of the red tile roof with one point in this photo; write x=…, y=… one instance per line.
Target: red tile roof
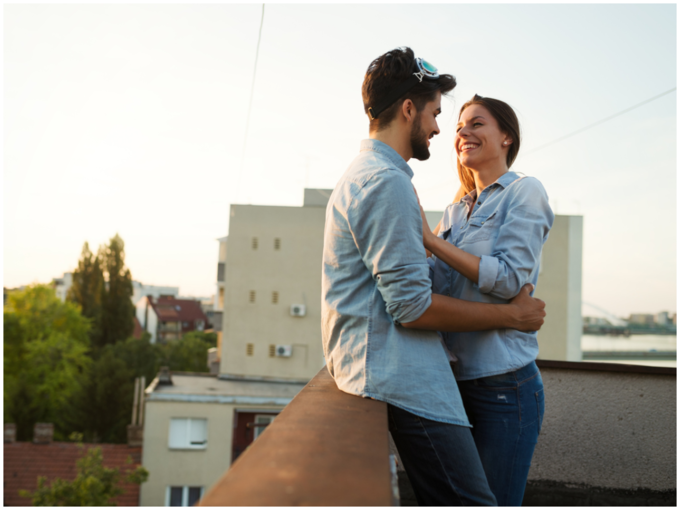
x=24, y=462
x=185, y=310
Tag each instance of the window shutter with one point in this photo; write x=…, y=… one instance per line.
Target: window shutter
x=198, y=432
x=179, y=432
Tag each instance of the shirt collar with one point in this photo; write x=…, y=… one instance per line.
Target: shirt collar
x=469, y=199
x=504, y=181
x=370, y=144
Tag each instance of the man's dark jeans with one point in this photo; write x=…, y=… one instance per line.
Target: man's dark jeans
x=441, y=461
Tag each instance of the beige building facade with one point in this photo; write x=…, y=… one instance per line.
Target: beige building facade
x=272, y=306
x=195, y=426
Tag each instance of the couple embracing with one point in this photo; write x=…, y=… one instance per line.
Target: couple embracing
x=440, y=325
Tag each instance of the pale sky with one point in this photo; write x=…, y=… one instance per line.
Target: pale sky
x=130, y=119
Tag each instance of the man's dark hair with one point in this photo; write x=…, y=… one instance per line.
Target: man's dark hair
x=388, y=71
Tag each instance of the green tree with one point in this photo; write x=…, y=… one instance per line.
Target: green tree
x=189, y=353
x=140, y=356
x=118, y=311
x=39, y=312
x=94, y=484
x=88, y=291
x=102, y=406
x=45, y=351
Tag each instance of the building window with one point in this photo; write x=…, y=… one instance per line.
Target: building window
x=254, y=243
x=251, y=298
x=200, y=325
x=261, y=422
x=183, y=496
x=277, y=243
x=220, y=304
x=191, y=433
x=275, y=297
x=220, y=271
x=272, y=350
x=250, y=348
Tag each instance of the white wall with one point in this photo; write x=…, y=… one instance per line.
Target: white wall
x=559, y=285
x=147, y=318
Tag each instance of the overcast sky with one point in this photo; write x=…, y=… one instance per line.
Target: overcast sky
x=130, y=119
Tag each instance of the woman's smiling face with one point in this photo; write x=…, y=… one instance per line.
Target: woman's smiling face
x=479, y=141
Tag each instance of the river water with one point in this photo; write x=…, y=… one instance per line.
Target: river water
x=631, y=343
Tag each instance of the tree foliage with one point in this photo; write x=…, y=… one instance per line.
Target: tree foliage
x=102, y=286
x=101, y=407
x=88, y=291
x=118, y=311
x=73, y=364
x=190, y=353
x=45, y=351
x=94, y=484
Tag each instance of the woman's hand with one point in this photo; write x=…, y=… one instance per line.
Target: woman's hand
x=427, y=232
x=428, y=235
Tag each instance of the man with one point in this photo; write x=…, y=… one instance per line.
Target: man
x=379, y=316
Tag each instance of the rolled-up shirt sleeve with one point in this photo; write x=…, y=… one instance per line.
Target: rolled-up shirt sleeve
x=384, y=218
x=521, y=236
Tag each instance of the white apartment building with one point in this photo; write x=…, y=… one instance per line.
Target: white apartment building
x=269, y=281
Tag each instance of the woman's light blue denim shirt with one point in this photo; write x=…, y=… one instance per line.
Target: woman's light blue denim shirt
x=375, y=276
x=507, y=229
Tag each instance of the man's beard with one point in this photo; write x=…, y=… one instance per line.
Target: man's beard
x=419, y=141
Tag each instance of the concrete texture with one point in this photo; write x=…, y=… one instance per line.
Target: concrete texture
x=612, y=430
x=608, y=439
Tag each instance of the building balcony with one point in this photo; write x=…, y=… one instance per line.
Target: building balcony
x=608, y=438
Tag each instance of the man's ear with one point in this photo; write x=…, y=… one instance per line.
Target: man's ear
x=408, y=110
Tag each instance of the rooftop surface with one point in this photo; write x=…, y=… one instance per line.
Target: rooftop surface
x=208, y=388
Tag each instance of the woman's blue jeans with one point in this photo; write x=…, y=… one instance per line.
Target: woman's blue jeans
x=506, y=412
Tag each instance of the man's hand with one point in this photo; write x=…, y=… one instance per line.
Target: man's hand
x=528, y=311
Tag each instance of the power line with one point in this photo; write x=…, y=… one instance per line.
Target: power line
x=598, y=122
x=250, y=104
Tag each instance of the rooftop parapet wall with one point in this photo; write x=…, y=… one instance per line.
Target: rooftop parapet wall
x=326, y=448
x=608, y=425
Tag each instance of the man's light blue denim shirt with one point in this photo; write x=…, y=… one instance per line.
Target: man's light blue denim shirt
x=375, y=276
x=507, y=229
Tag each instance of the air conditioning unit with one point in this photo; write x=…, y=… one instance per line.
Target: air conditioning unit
x=298, y=310
x=284, y=351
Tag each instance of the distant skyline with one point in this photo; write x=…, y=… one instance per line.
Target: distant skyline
x=130, y=119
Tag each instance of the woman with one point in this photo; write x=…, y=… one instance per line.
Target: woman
x=488, y=245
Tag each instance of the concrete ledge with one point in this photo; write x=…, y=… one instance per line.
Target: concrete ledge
x=326, y=448
x=606, y=367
